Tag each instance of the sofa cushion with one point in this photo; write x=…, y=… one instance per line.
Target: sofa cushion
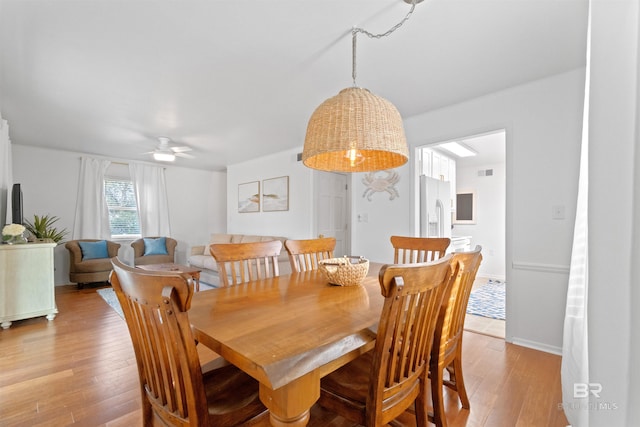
x=155, y=246
x=237, y=238
x=217, y=238
x=94, y=250
x=252, y=239
x=203, y=261
x=220, y=238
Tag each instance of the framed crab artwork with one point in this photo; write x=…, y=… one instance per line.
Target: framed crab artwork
x=381, y=181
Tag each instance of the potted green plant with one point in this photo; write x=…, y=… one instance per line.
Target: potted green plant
x=42, y=228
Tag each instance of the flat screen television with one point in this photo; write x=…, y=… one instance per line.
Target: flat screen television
x=16, y=204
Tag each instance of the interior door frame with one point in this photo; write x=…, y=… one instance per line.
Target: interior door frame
x=510, y=315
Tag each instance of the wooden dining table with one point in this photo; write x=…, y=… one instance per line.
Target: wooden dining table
x=288, y=332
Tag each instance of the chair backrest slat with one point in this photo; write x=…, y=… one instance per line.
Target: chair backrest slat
x=244, y=262
x=409, y=250
x=305, y=254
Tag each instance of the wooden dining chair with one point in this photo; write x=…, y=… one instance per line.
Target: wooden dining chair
x=305, y=254
x=244, y=262
x=408, y=250
x=446, y=352
x=172, y=385
x=378, y=386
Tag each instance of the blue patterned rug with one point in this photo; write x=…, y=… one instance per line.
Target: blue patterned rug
x=109, y=296
x=488, y=300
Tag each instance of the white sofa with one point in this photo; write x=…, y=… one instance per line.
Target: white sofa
x=202, y=259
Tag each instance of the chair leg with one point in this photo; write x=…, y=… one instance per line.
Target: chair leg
x=459, y=378
x=147, y=412
x=439, y=417
x=420, y=405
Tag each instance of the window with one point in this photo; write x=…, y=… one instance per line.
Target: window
x=123, y=209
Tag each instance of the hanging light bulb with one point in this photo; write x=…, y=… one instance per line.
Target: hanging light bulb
x=354, y=157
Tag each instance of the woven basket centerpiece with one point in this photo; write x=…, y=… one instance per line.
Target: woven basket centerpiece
x=345, y=271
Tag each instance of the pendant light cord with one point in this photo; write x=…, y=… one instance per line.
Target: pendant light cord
x=356, y=30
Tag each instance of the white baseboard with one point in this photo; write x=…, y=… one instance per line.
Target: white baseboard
x=536, y=345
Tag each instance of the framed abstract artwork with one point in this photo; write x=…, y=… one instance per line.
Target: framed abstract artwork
x=249, y=197
x=275, y=194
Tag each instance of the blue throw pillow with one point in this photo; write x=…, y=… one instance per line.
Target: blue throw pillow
x=93, y=250
x=155, y=246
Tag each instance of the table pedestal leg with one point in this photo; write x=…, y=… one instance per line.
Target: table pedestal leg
x=290, y=404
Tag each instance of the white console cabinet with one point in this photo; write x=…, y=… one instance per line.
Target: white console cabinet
x=460, y=244
x=26, y=282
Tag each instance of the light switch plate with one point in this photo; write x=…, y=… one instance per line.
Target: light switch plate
x=557, y=212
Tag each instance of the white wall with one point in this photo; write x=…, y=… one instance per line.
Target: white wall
x=297, y=222
x=196, y=206
x=385, y=217
x=542, y=121
x=489, y=229
x=614, y=212
x=49, y=182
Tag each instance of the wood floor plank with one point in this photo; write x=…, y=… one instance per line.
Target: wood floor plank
x=79, y=370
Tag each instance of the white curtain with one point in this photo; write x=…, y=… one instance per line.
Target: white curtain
x=92, y=215
x=6, y=174
x=151, y=195
x=575, y=345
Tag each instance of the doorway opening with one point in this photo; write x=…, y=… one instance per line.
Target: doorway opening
x=465, y=179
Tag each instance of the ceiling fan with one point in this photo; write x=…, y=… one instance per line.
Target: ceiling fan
x=165, y=152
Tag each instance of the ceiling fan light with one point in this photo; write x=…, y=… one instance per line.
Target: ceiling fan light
x=164, y=157
x=355, y=131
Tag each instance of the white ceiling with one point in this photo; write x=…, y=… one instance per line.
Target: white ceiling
x=490, y=149
x=239, y=79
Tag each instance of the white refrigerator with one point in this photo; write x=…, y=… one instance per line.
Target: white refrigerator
x=435, y=207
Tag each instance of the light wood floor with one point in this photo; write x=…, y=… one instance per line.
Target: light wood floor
x=80, y=370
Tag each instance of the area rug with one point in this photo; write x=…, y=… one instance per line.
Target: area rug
x=109, y=296
x=488, y=300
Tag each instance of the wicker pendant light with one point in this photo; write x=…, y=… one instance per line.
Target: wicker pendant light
x=356, y=131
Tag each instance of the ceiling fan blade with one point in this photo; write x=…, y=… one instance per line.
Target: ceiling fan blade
x=182, y=149
x=184, y=155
